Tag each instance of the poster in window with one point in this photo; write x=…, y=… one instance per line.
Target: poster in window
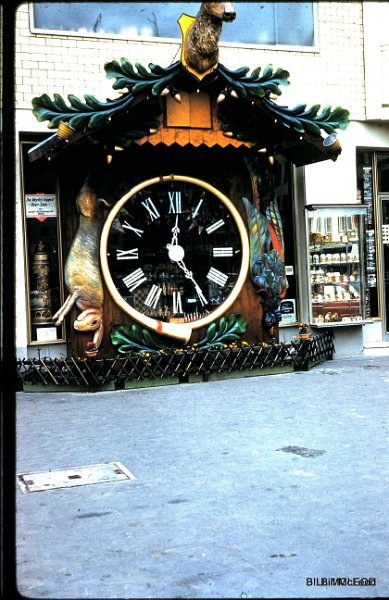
x=41, y=206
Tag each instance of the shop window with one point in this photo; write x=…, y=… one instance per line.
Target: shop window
x=269, y=23
x=283, y=196
x=365, y=194
x=44, y=290
x=383, y=172
x=336, y=264
x=383, y=207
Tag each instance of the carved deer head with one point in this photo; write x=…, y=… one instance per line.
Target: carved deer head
x=222, y=11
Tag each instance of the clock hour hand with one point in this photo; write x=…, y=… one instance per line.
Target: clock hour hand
x=175, y=251
x=175, y=232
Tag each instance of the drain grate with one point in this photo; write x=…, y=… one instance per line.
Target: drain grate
x=305, y=452
x=53, y=479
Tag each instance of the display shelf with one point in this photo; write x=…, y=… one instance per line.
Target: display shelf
x=341, y=324
x=337, y=287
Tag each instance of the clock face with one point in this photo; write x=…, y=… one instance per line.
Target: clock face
x=174, y=254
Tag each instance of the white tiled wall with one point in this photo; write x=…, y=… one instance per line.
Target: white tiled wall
x=331, y=74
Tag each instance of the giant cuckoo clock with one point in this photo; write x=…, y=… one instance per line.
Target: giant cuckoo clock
x=176, y=253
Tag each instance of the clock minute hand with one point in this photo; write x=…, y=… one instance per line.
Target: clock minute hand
x=176, y=254
x=189, y=275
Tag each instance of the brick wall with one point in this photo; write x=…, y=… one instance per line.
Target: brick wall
x=331, y=74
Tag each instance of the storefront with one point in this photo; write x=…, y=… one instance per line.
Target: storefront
x=157, y=156
x=373, y=189
x=346, y=242
x=188, y=206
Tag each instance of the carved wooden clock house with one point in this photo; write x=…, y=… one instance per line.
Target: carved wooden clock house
x=181, y=156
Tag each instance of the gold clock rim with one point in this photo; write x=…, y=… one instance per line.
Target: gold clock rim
x=177, y=330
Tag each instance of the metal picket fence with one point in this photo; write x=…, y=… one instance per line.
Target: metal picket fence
x=177, y=365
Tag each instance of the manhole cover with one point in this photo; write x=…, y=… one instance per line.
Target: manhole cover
x=306, y=452
x=52, y=479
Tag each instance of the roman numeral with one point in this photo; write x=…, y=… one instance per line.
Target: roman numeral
x=196, y=210
x=175, y=202
x=153, y=296
x=150, y=206
x=177, y=304
x=214, y=226
x=134, y=279
x=217, y=277
x=132, y=254
x=138, y=232
x=227, y=251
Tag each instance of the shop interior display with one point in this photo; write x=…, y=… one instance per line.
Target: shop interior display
x=335, y=267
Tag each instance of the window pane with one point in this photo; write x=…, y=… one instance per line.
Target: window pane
x=256, y=22
x=125, y=18
x=294, y=23
x=365, y=194
x=383, y=172
x=43, y=250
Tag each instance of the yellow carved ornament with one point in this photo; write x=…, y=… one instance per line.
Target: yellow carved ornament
x=184, y=22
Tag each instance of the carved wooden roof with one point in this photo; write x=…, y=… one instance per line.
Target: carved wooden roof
x=243, y=111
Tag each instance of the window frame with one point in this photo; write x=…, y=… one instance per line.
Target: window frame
x=374, y=151
x=26, y=141
x=177, y=40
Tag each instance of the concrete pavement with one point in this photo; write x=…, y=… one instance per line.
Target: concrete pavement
x=245, y=488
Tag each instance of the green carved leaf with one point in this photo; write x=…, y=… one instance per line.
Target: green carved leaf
x=299, y=118
x=76, y=103
x=311, y=128
x=133, y=339
x=156, y=69
x=267, y=70
x=140, y=79
x=91, y=113
x=312, y=112
x=97, y=120
x=302, y=120
x=254, y=84
x=256, y=72
x=241, y=72
x=58, y=102
x=223, y=332
x=143, y=72
x=141, y=85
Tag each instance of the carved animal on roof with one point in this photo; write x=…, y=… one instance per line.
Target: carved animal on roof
x=82, y=269
x=201, y=44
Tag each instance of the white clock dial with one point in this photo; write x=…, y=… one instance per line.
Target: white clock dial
x=188, y=251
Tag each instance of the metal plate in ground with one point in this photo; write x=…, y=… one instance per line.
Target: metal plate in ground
x=53, y=479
